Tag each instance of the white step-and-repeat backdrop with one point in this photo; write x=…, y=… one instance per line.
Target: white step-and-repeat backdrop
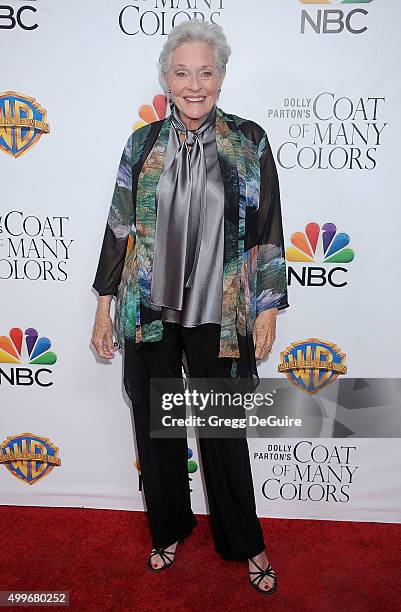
x=76, y=78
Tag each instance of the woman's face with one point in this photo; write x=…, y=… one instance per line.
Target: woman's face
x=194, y=81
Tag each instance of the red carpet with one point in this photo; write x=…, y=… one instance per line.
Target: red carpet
x=99, y=556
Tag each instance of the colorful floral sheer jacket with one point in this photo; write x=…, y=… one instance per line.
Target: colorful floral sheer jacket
x=254, y=269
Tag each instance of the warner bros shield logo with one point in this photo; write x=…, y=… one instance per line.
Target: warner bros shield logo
x=22, y=123
x=312, y=364
x=29, y=457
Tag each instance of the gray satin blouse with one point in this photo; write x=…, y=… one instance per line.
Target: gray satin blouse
x=202, y=301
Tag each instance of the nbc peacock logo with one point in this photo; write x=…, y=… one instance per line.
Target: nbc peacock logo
x=26, y=347
x=149, y=113
x=322, y=245
x=191, y=464
x=332, y=20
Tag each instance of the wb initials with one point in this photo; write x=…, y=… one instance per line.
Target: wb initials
x=334, y=21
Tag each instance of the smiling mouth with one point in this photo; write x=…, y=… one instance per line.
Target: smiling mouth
x=195, y=99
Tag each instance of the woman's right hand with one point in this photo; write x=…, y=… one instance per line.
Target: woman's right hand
x=102, y=335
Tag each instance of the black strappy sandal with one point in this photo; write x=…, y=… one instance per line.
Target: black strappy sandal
x=269, y=571
x=167, y=561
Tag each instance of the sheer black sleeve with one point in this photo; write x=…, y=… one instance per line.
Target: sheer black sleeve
x=271, y=289
x=120, y=224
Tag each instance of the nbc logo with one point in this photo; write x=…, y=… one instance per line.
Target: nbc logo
x=149, y=113
x=34, y=352
x=192, y=468
x=334, y=21
x=192, y=465
x=319, y=245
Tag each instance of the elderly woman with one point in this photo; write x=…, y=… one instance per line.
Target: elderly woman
x=193, y=250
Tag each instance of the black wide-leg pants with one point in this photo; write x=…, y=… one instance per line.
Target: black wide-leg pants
x=163, y=461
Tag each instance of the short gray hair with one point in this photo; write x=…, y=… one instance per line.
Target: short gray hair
x=191, y=31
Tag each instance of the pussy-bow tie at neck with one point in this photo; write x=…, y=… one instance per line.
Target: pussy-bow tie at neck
x=181, y=204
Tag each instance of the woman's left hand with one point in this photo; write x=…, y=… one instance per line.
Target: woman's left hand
x=264, y=332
